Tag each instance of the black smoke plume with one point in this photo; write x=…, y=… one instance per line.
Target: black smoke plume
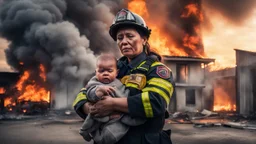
x=62, y=35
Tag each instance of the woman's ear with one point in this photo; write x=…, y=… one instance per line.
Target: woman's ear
x=144, y=40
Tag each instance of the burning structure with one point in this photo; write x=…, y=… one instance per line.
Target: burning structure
x=53, y=43
x=233, y=89
x=6, y=81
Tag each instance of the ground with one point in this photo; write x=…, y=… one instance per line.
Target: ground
x=64, y=130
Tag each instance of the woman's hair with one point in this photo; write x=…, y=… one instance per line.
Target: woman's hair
x=146, y=47
x=151, y=52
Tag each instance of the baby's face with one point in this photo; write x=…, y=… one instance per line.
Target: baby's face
x=106, y=71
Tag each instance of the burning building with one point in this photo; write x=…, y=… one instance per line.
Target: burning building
x=54, y=44
x=233, y=89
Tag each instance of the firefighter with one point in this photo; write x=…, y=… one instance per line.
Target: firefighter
x=150, y=83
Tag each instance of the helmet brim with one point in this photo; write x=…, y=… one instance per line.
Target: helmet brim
x=114, y=28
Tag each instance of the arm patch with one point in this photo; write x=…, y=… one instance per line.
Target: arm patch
x=163, y=72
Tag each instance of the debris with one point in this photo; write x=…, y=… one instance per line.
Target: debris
x=67, y=112
x=208, y=113
x=235, y=125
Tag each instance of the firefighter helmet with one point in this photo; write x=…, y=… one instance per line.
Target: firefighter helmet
x=127, y=18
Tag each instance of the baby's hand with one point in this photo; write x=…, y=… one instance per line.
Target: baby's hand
x=104, y=90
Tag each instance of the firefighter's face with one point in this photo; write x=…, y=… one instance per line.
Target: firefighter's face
x=130, y=42
x=106, y=71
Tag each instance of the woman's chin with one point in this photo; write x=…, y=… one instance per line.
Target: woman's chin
x=128, y=54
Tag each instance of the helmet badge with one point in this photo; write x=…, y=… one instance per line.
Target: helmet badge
x=121, y=16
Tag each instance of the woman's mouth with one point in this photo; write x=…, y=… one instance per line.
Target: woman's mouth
x=126, y=49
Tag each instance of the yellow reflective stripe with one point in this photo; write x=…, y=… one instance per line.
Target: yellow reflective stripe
x=159, y=63
x=156, y=63
x=132, y=85
x=159, y=91
x=139, y=65
x=79, y=97
x=147, y=105
x=163, y=84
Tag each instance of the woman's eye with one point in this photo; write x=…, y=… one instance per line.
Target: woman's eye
x=129, y=36
x=120, y=38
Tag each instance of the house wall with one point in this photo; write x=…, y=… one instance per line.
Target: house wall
x=181, y=100
x=195, y=77
x=246, y=65
x=196, y=73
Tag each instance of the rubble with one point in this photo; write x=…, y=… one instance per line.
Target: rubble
x=208, y=118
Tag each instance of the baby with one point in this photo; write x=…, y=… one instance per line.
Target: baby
x=105, y=130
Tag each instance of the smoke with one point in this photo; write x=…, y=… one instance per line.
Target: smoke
x=234, y=10
x=93, y=19
x=62, y=35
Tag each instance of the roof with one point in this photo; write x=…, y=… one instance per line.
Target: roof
x=188, y=59
x=239, y=50
x=193, y=86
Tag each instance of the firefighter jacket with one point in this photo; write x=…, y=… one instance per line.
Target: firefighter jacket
x=151, y=86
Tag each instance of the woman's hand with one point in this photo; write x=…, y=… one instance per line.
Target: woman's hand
x=87, y=107
x=103, y=107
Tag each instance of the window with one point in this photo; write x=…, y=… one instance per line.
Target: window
x=190, y=97
x=182, y=73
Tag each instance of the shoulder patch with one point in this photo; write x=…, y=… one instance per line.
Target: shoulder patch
x=163, y=72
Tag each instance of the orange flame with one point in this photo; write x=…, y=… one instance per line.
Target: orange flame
x=158, y=40
x=227, y=107
x=192, y=9
x=42, y=73
x=9, y=101
x=31, y=91
x=223, y=101
x=2, y=90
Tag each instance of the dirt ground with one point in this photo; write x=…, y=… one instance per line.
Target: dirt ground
x=64, y=130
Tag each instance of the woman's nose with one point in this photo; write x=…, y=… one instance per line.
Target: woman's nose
x=124, y=41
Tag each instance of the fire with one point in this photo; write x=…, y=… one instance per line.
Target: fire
x=9, y=101
x=158, y=40
x=161, y=42
x=23, y=78
x=192, y=9
x=2, y=90
x=42, y=74
x=139, y=7
x=32, y=91
x=227, y=107
x=223, y=101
